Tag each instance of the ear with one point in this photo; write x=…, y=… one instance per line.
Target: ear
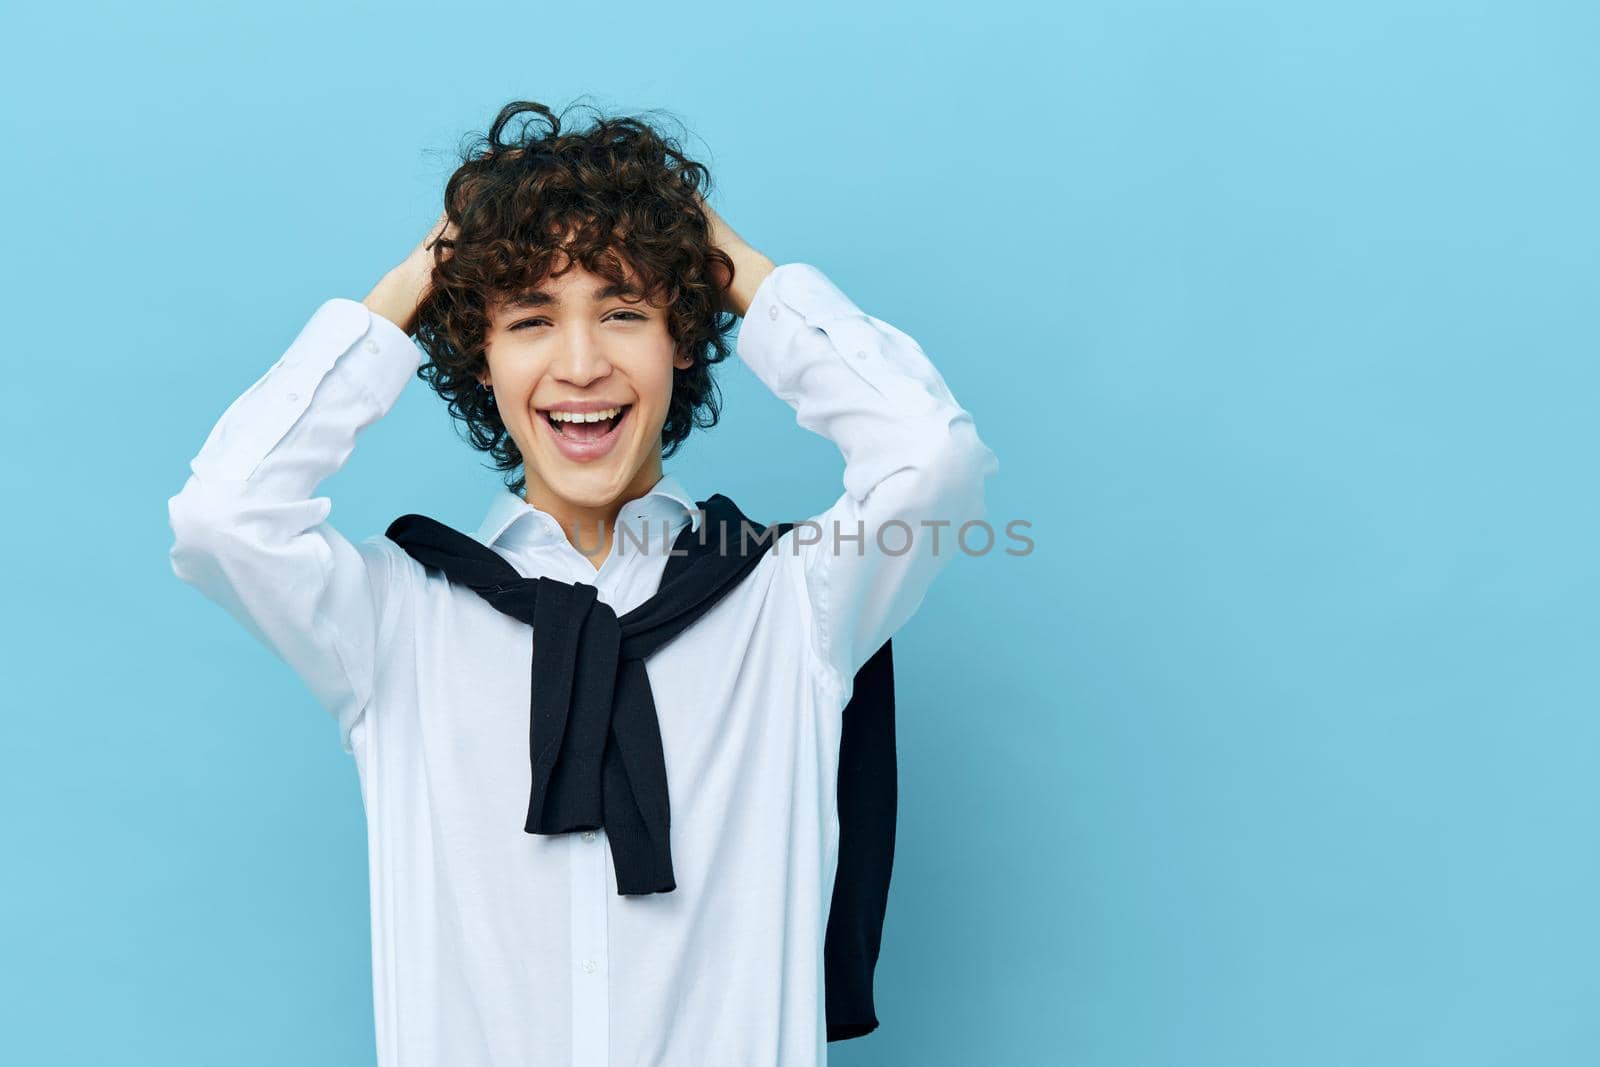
x=682, y=361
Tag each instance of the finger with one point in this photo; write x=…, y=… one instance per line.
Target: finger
x=442, y=227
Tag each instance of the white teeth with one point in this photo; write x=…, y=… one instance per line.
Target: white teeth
x=591, y=416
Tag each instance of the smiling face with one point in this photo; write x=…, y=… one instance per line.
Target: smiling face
x=574, y=350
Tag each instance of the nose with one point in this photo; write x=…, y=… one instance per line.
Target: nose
x=581, y=359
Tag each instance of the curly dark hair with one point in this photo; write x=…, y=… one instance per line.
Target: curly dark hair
x=617, y=195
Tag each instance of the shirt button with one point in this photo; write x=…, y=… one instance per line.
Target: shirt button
x=293, y=397
x=588, y=835
x=861, y=353
x=772, y=312
x=371, y=345
x=588, y=966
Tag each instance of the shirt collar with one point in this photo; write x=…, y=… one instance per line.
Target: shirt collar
x=667, y=499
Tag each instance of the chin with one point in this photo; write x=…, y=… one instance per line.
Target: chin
x=590, y=485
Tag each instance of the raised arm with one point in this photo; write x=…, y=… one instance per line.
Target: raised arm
x=915, y=468
x=248, y=532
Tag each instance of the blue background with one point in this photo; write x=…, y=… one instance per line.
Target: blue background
x=1281, y=746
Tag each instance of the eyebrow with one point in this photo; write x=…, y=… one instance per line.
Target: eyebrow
x=538, y=298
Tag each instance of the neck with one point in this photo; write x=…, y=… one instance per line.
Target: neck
x=591, y=527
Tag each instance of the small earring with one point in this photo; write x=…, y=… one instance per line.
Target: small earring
x=488, y=390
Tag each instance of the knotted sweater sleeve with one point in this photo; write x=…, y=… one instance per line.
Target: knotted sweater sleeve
x=915, y=467
x=248, y=531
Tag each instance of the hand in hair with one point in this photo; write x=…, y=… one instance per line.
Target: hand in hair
x=750, y=267
x=397, y=296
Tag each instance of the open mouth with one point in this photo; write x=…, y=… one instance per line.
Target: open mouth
x=588, y=429
x=584, y=428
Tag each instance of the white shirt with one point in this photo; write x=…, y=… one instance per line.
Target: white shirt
x=493, y=947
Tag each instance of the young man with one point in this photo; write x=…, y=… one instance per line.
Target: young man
x=495, y=942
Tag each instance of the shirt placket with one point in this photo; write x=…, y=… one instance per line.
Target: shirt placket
x=591, y=963
x=591, y=1023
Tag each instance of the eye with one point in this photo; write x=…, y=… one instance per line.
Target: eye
x=534, y=322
